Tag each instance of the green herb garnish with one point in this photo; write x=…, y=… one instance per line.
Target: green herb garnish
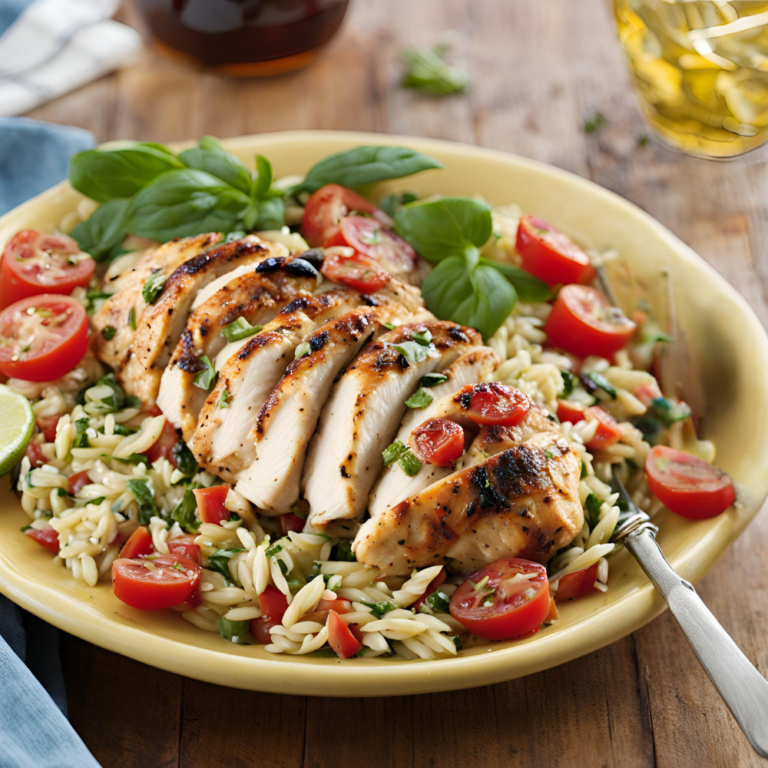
x=393, y=452
x=427, y=70
x=409, y=464
x=240, y=329
x=144, y=494
x=204, y=379
x=153, y=286
x=419, y=399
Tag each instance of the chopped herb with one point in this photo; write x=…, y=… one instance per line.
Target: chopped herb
x=96, y=501
x=569, y=382
x=650, y=427
x=391, y=203
x=116, y=400
x=412, y=351
x=382, y=607
x=153, y=286
x=548, y=454
x=116, y=507
x=274, y=549
x=343, y=551
x=669, y=411
x=240, y=329
x=584, y=472
x=592, y=508
x=393, y=452
x=123, y=431
x=419, y=399
x=642, y=140
x=29, y=482
x=205, y=378
x=427, y=70
x=595, y=380
x=595, y=123
x=184, y=514
x=144, y=494
x=132, y=319
x=233, y=631
x=81, y=438
x=284, y=570
x=409, y=464
x=422, y=337
x=109, y=332
x=179, y=567
x=480, y=584
x=224, y=399
x=389, y=326
x=219, y=562
x=433, y=379
x=302, y=350
x=185, y=460
x=457, y=642
x=438, y=601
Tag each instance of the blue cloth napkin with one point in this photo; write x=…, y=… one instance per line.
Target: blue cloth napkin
x=34, y=731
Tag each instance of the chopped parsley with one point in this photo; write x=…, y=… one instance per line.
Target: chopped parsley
x=219, y=562
x=433, y=379
x=109, y=332
x=595, y=123
x=274, y=549
x=642, y=140
x=153, y=286
x=380, y=608
x=240, y=329
x=184, y=514
x=419, y=399
x=410, y=464
x=81, y=437
x=205, y=378
x=412, y=351
x=393, y=452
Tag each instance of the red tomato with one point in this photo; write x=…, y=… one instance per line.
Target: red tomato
x=290, y=522
x=569, y=411
x=340, y=605
x=77, y=482
x=434, y=585
x=583, y=323
x=139, y=543
x=359, y=272
x=164, y=445
x=340, y=638
x=437, y=441
x=273, y=606
x=186, y=546
x=42, y=337
x=608, y=432
x=152, y=585
x=47, y=538
x=210, y=504
x=577, y=583
x=503, y=608
x=687, y=485
x=35, y=455
x=47, y=425
x=494, y=404
x=33, y=263
x=357, y=632
x=550, y=255
x=367, y=236
x=328, y=206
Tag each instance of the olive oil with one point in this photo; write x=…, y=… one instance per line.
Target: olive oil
x=701, y=69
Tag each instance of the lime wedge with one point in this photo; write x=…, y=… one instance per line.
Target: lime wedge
x=16, y=424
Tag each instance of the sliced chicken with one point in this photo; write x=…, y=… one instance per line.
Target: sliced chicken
x=257, y=296
x=522, y=502
x=221, y=441
x=289, y=416
x=127, y=287
x=364, y=411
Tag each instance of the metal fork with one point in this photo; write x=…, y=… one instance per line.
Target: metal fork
x=742, y=687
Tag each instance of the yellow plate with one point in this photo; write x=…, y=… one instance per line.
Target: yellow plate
x=726, y=339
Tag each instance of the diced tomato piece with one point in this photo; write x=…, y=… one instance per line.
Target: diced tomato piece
x=570, y=411
x=210, y=504
x=357, y=632
x=576, y=584
x=357, y=271
x=340, y=638
x=139, y=543
x=608, y=431
x=47, y=425
x=48, y=538
x=35, y=454
x=273, y=605
x=437, y=441
x=291, y=522
x=77, y=482
x=340, y=605
x=164, y=582
x=186, y=546
x=163, y=447
x=433, y=587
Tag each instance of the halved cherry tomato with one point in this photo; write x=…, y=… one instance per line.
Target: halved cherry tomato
x=77, y=482
x=328, y=206
x=583, y=323
x=340, y=637
x=164, y=582
x=437, y=441
x=210, y=504
x=163, y=447
x=35, y=455
x=434, y=585
x=273, y=605
x=367, y=236
x=687, y=485
x=186, y=546
x=42, y=337
x=550, y=255
x=577, y=583
x=357, y=271
x=47, y=538
x=503, y=607
x=47, y=425
x=494, y=404
x=139, y=543
x=34, y=263
x=570, y=411
x=608, y=432
x=340, y=605
x=291, y=522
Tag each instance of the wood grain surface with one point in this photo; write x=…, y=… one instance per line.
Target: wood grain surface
x=539, y=69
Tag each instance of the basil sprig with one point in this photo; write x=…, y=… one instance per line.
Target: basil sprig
x=464, y=287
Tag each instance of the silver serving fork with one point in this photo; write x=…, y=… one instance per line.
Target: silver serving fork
x=742, y=687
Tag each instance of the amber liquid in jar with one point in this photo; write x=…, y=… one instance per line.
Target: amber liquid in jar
x=244, y=37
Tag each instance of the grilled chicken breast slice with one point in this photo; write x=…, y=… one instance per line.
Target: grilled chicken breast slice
x=522, y=502
x=363, y=413
x=257, y=296
x=221, y=441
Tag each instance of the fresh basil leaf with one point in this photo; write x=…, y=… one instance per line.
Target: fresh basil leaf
x=116, y=400
x=569, y=382
x=153, y=286
x=81, y=438
x=219, y=562
x=104, y=230
x=109, y=332
x=271, y=214
x=223, y=399
x=263, y=181
x=274, y=550
x=438, y=601
x=428, y=71
x=184, y=458
x=107, y=174
x=365, y=165
x=343, y=551
x=592, y=510
x=204, y=379
x=446, y=227
x=528, y=287
x=238, y=234
x=381, y=607
x=393, y=452
x=184, y=203
x=410, y=464
x=422, y=337
x=184, y=514
x=478, y=297
x=239, y=329
x=391, y=203
x=412, y=351
x=595, y=380
x=144, y=494
x=211, y=157
x=433, y=379
x=419, y=399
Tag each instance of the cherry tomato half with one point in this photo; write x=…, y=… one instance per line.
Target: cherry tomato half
x=550, y=255
x=583, y=323
x=357, y=271
x=34, y=263
x=186, y=546
x=153, y=585
x=290, y=522
x=494, y=404
x=608, y=432
x=163, y=447
x=47, y=425
x=367, y=236
x=687, y=485
x=340, y=637
x=437, y=441
x=210, y=504
x=47, y=538
x=576, y=584
x=273, y=605
x=570, y=411
x=77, y=482
x=42, y=337
x=35, y=454
x=139, y=543
x=502, y=606
x=328, y=206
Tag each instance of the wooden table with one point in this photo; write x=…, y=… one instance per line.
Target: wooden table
x=540, y=68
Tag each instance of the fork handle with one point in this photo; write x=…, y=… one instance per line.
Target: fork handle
x=742, y=687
